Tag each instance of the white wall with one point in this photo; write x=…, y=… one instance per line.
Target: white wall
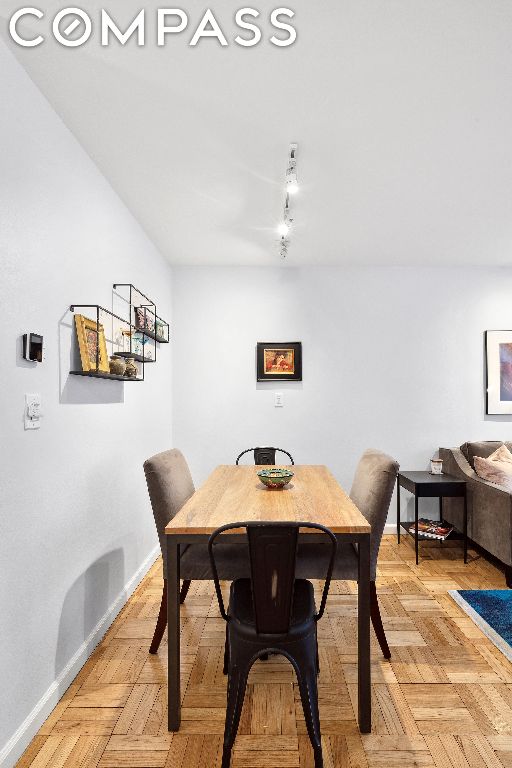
x=392, y=358
x=76, y=521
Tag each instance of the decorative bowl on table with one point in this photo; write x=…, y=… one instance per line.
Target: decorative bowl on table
x=275, y=478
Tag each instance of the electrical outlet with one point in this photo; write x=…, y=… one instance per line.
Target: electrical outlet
x=278, y=400
x=32, y=411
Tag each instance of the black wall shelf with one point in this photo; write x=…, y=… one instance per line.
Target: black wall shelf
x=143, y=314
x=108, y=331
x=152, y=335
x=137, y=358
x=117, y=335
x=104, y=375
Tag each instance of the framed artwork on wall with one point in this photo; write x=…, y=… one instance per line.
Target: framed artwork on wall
x=498, y=352
x=92, y=344
x=279, y=361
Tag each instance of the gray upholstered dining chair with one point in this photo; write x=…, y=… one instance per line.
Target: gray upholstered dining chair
x=371, y=492
x=170, y=486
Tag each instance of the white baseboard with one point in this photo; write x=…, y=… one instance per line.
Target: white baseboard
x=390, y=528
x=20, y=740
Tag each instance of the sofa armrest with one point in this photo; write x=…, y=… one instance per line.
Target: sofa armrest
x=489, y=507
x=456, y=464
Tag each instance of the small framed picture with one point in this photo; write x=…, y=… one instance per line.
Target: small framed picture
x=144, y=319
x=92, y=344
x=498, y=351
x=161, y=330
x=279, y=361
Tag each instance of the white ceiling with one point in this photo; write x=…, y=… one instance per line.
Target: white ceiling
x=402, y=110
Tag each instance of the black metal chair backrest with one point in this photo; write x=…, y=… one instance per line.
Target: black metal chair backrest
x=272, y=550
x=272, y=553
x=264, y=456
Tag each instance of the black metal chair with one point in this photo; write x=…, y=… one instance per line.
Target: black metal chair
x=272, y=612
x=264, y=456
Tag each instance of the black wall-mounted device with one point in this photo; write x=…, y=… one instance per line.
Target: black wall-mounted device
x=33, y=347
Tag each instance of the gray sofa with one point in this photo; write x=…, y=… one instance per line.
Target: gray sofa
x=489, y=505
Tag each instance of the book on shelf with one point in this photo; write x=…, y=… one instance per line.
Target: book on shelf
x=432, y=529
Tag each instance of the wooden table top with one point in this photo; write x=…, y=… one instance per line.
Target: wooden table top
x=234, y=494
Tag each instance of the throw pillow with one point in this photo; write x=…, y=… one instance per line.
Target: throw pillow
x=497, y=468
x=501, y=454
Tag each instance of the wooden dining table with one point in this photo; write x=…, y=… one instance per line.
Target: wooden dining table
x=234, y=493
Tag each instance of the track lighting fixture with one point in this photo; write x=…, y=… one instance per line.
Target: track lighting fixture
x=291, y=187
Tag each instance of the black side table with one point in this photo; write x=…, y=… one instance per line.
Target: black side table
x=426, y=485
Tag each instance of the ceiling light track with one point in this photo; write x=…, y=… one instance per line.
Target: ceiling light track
x=291, y=187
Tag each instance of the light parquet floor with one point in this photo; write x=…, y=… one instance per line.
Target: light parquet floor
x=444, y=699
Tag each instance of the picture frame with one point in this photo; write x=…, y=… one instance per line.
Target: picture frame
x=91, y=338
x=145, y=319
x=498, y=356
x=161, y=330
x=279, y=361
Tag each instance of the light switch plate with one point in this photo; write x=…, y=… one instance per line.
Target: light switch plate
x=278, y=400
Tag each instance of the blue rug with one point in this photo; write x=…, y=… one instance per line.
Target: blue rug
x=491, y=610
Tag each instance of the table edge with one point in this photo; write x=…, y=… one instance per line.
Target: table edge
x=444, y=478
x=203, y=531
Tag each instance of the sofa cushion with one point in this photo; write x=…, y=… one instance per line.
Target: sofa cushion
x=481, y=449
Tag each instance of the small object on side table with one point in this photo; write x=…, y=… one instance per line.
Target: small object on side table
x=275, y=478
x=436, y=466
x=131, y=370
x=428, y=485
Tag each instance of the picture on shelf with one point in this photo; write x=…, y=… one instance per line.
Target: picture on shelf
x=92, y=344
x=160, y=330
x=279, y=361
x=144, y=319
x=498, y=346
x=147, y=321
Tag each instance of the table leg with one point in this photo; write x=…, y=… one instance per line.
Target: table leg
x=465, y=527
x=416, y=527
x=398, y=510
x=173, y=634
x=364, y=689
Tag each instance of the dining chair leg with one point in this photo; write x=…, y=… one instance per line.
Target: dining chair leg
x=184, y=589
x=225, y=668
x=377, y=621
x=305, y=669
x=237, y=682
x=161, y=622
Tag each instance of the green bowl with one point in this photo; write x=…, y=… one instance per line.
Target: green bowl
x=275, y=478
